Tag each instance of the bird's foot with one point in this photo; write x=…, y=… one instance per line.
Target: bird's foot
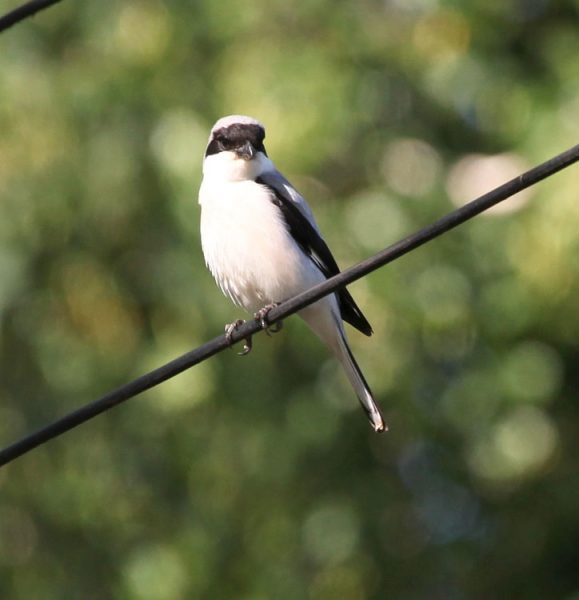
x=261, y=316
x=230, y=328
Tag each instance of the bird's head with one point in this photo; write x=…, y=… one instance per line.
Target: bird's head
x=238, y=134
x=235, y=150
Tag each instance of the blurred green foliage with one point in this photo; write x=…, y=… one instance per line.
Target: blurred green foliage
x=260, y=477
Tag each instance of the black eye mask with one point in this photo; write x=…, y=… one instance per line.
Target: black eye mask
x=236, y=136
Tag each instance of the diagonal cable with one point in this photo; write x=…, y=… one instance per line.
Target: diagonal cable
x=23, y=12
x=251, y=327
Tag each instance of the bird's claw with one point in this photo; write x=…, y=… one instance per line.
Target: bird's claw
x=230, y=328
x=247, y=346
x=275, y=328
x=261, y=316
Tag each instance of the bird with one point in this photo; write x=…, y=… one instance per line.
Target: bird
x=262, y=244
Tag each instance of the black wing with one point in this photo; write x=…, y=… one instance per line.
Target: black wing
x=313, y=246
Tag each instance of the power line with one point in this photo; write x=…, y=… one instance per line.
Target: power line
x=23, y=12
x=251, y=327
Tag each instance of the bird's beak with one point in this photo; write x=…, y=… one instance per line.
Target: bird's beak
x=247, y=151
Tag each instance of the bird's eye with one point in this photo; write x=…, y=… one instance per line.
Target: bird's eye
x=226, y=144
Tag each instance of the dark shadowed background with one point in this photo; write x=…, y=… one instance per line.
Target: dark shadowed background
x=260, y=477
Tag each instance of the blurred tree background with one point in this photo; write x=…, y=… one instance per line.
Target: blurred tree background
x=260, y=477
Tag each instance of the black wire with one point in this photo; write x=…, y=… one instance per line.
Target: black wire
x=23, y=12
x=178, y=365
x=444, y=224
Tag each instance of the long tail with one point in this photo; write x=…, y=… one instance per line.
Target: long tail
x=323, y=317
x=359, y=382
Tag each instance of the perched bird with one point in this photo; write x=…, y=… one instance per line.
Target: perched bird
x=263, y=246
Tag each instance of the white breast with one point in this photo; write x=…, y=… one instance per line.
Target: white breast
x=247, y=246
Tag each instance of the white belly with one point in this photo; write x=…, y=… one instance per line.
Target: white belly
x=247, y=247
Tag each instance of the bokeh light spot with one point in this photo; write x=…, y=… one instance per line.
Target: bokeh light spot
x=532, y=372
x=374, y=218
x=143, y=32
x=178, y=143
x=442, y=36
x=331, y=533
x=477, y=174
x=411, y=167
x=518, y=447
x=155, y=572
x=443, y=294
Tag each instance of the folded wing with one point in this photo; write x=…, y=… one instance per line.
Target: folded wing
x=302, y=228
